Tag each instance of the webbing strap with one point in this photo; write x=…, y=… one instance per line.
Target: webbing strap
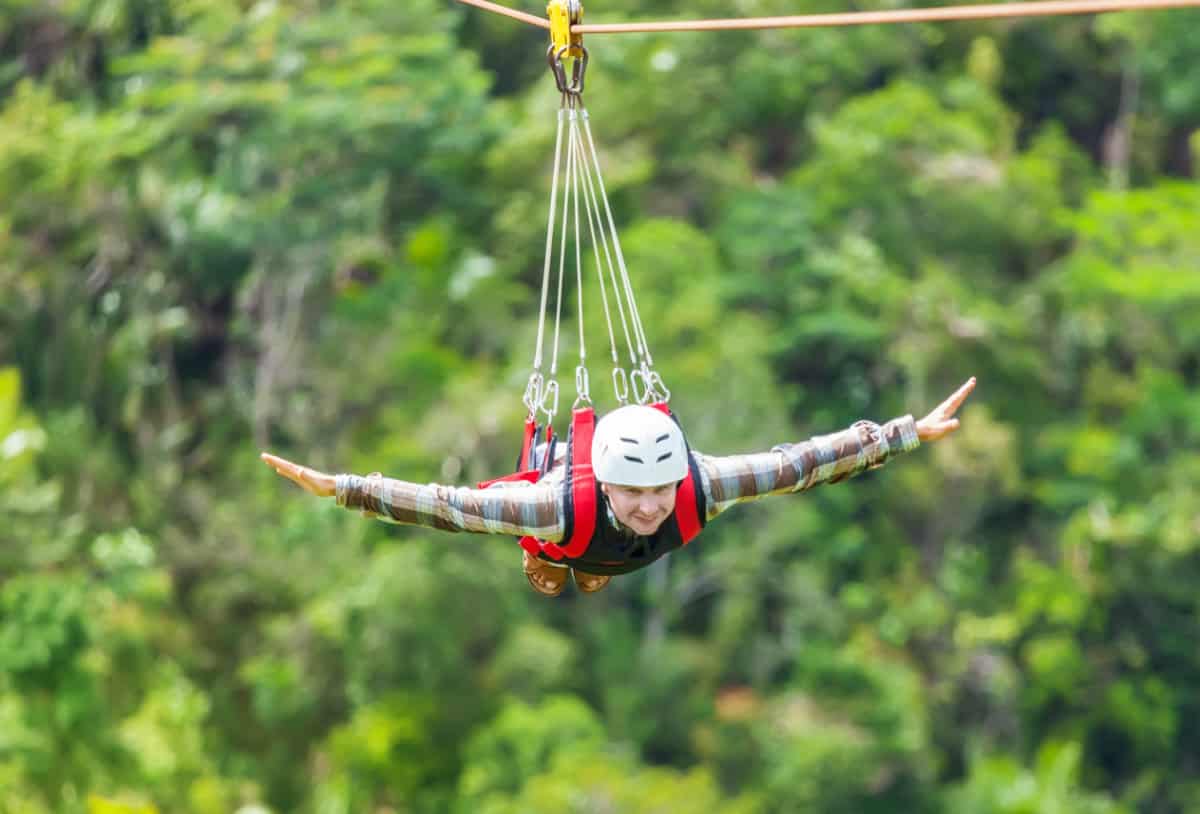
x=527, y=475
x=526, y=468
x=583, y=481
x=687, y=511
x=583, y=490
x=527, y=444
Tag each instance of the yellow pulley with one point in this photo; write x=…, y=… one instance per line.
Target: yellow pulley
x=563, y=14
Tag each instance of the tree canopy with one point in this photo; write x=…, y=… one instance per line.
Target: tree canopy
x=317, y=228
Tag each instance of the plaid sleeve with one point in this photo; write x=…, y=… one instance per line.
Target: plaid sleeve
x=516, y=509
x=734, y=479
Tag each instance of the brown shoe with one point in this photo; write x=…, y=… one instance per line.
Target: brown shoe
x=545, y=578
x=590, y=583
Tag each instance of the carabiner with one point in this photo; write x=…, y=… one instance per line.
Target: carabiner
x=550, y=397
x=533, y=392
x=582, y=387
x=621, y=385
x=573, y=87
x=641, y=387
x=658, y=388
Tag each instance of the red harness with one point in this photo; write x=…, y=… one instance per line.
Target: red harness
x=582, y=483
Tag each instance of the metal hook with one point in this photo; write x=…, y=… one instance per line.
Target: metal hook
x=641, y=386
x=659, y=388
x=533, y=392
x=582, y=387
x=550, y=397
x=620, y=385
x=554, y=56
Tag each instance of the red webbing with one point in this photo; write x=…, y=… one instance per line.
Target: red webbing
x=583, y=481
x=687, y=515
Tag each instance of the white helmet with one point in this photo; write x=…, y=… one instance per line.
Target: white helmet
x=638, y=446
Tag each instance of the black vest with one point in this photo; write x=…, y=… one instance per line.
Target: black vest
x=616, y=551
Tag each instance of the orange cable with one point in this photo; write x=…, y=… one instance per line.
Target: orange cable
x=916, y=15
x=508, y=12
x=1042, y=8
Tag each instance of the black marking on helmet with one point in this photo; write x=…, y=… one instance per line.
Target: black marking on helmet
x=663, y=457
x=662, y=438
x=635, y=460
x=629, y=440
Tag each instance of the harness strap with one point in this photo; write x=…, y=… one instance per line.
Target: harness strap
x=687, y=513
x=583, y=482
x=582, y=490
x=551, y=450
x=526, y=467
x=528, y=443
x=529, y=475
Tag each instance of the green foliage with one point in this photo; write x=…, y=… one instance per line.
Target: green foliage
x=559, y=734
x=997, y=785
x=317, y=228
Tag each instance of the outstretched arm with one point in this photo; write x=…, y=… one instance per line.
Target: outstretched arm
x=528, y=509
x=734, y=479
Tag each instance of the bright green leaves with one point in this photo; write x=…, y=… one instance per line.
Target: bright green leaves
x=560, y=733
x=999, y=785
x=20, y=437
x=44, y=630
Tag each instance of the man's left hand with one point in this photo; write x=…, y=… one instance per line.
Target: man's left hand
x=941, y=422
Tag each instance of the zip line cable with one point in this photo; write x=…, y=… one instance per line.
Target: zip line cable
x=508, y=12
x=1044, y=8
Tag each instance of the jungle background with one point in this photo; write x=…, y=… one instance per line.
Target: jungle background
x=316, y=227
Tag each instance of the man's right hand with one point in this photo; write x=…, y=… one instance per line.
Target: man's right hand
x=317, y=483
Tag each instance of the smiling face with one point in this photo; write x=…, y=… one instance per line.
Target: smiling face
x=642, y=509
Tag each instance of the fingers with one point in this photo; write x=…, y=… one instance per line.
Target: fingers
x=282, y=466
x=936, y=430
x=950, y=406
x=310, y=480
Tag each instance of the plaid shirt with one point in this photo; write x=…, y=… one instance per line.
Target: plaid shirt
x=522, y=508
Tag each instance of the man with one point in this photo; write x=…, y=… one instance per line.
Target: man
x=641, y=463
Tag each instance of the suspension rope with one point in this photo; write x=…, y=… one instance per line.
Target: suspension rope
x=562, y=248
x=620, y=377
x=1044, y=8
x=578, y=246
x=537, y=355
x=596, y=227
x=508, y=12
x=639, y=333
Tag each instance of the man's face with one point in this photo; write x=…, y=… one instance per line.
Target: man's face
x=641, y=509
